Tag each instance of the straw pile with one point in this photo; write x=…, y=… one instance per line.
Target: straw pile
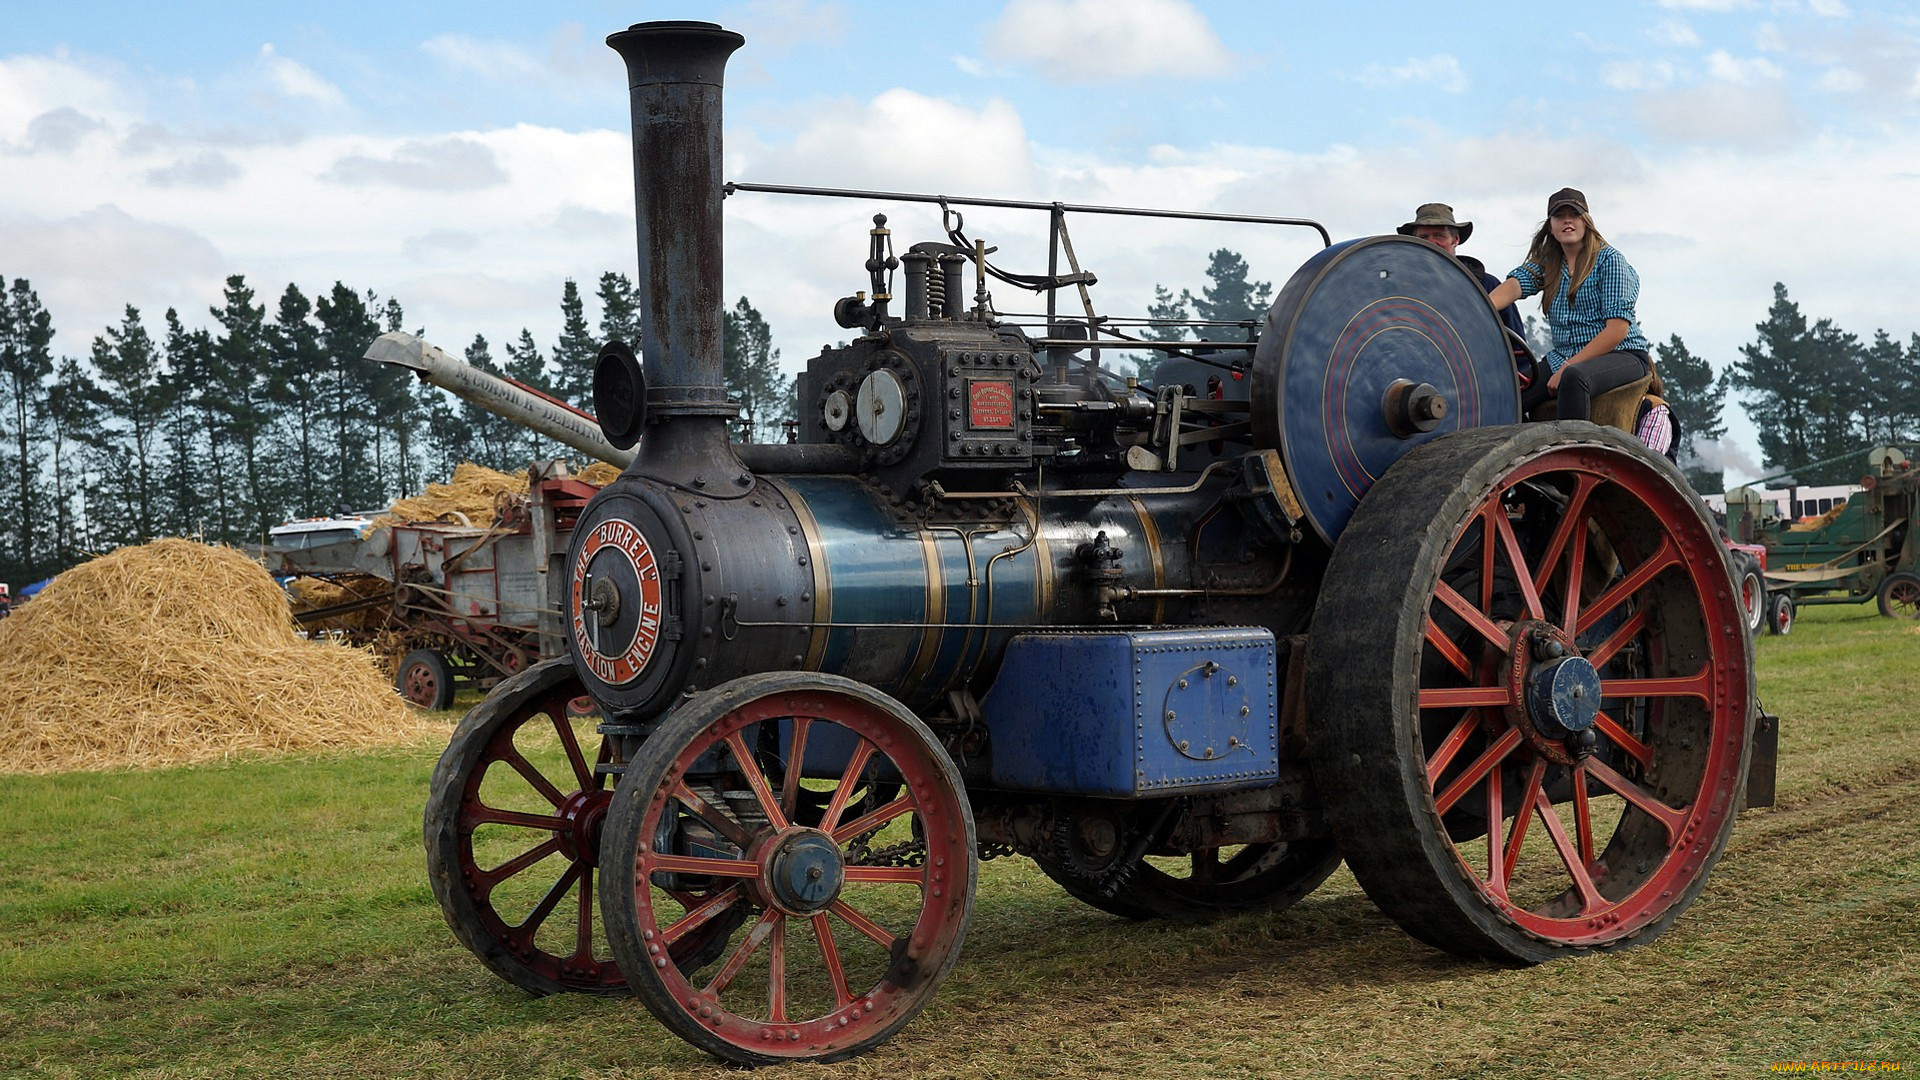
x=599, y=474
x=175, y=652
x=471, y=491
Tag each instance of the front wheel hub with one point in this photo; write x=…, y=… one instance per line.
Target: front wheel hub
x=1563, y=698
x=804, y=872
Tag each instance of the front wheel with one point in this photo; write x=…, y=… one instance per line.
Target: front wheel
x=814, y=833
x=1780, y=614
x=1533, y=735
x=1899, y=596
x=425, y=679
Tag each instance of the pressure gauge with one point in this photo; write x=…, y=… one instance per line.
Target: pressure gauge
x=836, y=412
x=880, y=407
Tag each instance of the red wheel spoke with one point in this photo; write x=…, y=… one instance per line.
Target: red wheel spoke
x=1574, y=518
x=487, y=815
x=1511, y=546
x=1603, y=652
x=844, y=790
x=1698, y=685
x=777, y=972
x=796, y=760
x=1486, y=627
x=1590, y=898
x=1666, y=815
x=1535, y=795
x=701, y=914
x=862, y=923
x=898, y=875
x=738, y=961
x=1446, y=648
x=1465, y=697
x=1583, y=816
x=722, y=823
x=1487, y=761
x=520, y=862
x=1667, y=555
x=757, y=780
x=533, y=776
x=830, y=959
x=564, y=728
x=694, y=864
x=1455, y=739
x=583, y=921
x=1624, y=739
x=1576, y=582
x=551, y=900
x=1496, y=855
x=871, y=821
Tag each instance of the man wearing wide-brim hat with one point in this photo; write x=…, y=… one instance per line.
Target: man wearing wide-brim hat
x=1434, y=223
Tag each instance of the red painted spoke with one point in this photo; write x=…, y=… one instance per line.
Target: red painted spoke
x=694, y=864
x=796, y=759
x=552, y=899
x=844, y=790
x=1574, y=518
x=1603, y=652
x=1444, y=645
x=700, y=915
x=1484, y=764
x=830, y=959
x=487, y=815
x=564, y=728
x=521, y=861
x=1450, y=746
x=533, y=776
x=1590, y=898
x=1698, y=685
x=1488, y=511
x=722, y=823
x=757, y=780
x=1496, y=855
x=1666, y=815
x=583, y=919
x=1583, y=816
x=1667, y=555
x=777, y=973
x=862, y=923
x=1624, y=739
x=871, y=821
x=1535, y=795
x=1465, y=697
x=1511, y=545
x=1576, y=582
x=735, y=963
x=1486, y=627
x=898, y=875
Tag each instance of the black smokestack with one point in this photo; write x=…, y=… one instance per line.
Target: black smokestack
x=675, y=71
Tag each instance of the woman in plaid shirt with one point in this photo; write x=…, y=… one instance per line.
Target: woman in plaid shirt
x=1590, y=294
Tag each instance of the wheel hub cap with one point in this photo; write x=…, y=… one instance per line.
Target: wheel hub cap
x=805, y=872
x=584, y=814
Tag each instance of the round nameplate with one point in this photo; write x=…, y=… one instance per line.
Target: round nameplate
x=614, y=601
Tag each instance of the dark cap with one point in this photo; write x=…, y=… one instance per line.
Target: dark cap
x=1566, y=196
x=1434, y=213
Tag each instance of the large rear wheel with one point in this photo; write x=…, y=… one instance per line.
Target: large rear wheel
x=815, y=822
x=1532, y=736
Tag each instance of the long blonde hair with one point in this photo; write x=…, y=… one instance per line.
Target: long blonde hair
x=1546, y=253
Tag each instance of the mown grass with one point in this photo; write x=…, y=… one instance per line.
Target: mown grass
x=273, y=917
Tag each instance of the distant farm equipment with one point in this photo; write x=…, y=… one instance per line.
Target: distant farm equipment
x=1857, y=549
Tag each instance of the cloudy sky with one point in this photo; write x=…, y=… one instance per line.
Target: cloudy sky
x=468, y=158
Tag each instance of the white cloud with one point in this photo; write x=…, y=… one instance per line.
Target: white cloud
x=1839, y=80
x=1767, y=37
x=1094, y=41
x=296, y=80
x=1728, y=68
x=901, y=140
x=209, y=169
x=33, y=86
x=780, y=25
x=450, y=164
x=1760, y=118
x=1675, y=32
x=1637, y=74
x=491, y=59
x=1440, y=71
x=1832, y=9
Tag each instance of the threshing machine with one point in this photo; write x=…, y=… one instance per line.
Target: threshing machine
x=1186, y=644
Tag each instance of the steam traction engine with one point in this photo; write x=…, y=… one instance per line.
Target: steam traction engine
x=1186, y=645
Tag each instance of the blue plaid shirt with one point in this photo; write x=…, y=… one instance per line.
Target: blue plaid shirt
x=1609, y=292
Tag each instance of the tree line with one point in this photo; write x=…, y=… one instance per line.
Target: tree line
x=271, y=413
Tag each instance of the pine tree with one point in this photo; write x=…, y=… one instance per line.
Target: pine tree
x=132, y=404
x=347, y=327
x=190, y=460
x=574, y=353
x=1697, y=398
x=1167, y=321
x=619, y=310
x=26, y=359
x=245, y=412
x=1777, y=383
x=1887, y=409
x=752, y=373
x=70, y=411
x=1230, y=298
x=525, y=365
x=298, y=384
x=494, y=437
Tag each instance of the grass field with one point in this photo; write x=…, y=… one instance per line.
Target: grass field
x=273, y=917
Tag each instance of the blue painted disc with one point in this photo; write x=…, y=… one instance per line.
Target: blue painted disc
x=1354, y=319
